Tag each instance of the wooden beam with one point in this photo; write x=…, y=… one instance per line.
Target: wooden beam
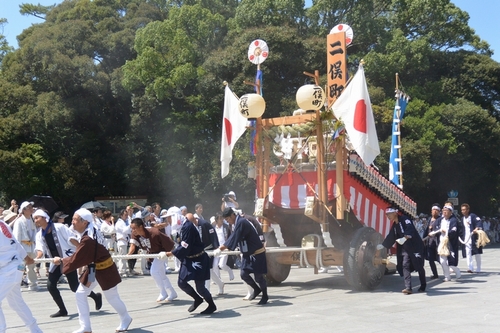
x=288, y=120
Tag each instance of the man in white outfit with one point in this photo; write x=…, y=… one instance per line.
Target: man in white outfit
x=472, y=223
x=449, y=228
x=11, y=273
x=25, y=232
x=223, y=231
x=175, y=217
x=123, y=232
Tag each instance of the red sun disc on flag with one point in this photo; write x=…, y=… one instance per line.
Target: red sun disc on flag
x=349, y=34
x=258, y=51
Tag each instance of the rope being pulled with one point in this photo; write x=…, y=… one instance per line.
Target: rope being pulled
x=443, y=249
x=482, y=239
x=210, y=253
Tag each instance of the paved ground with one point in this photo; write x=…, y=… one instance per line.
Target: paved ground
x=303, y=303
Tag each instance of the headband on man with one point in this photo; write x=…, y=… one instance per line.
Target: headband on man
x=40, y=212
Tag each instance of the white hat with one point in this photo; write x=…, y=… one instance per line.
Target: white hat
x=42, y=213
x=171, y=212
x=85, y=214
x=7, y=215
x=25, y=204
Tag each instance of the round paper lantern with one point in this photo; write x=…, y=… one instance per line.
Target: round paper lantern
x=310, y=97
x=252, y=105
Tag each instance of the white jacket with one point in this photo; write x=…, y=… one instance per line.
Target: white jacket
x=25, y=230
x=123, y=232
x=12, y=253
x=64, y=236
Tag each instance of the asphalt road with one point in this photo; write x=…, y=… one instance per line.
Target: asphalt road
x=303, y=303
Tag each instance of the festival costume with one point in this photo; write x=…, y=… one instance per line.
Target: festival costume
x=223, y=232
x=211, y=242
x=90, y=251
x=431, y=244
x=449, y=240
x=195, y=266
x=25, y=230
x=11, y=273
x=55, y=241
x=410, y=255
x=470, y=249
x=123, y=232
x=153, y=242
x=246, y=236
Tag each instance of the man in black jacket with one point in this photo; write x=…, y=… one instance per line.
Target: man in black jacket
x=410, y=248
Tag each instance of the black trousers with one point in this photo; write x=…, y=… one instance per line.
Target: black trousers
x=200, y=288
x=259, y=278
x=73, y=282
x=433, y=257
x=52, y=285
x=407, y=271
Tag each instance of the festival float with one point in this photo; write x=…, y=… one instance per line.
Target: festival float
x=320, y=200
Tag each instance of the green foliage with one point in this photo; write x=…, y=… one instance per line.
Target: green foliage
x=35, y=10
x=125, y=97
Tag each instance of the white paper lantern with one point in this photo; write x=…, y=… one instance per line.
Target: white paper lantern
x=252, y=105
x=310, y=97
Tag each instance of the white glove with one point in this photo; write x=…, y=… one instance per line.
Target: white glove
x=217, y=253
x=380, y=247
x=401, y=240
x=162, y=255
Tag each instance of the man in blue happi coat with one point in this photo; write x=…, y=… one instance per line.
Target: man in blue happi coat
x=246, y=237
x=195, y=265
x=410, y=248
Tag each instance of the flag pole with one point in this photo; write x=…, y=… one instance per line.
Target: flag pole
x=400, y=160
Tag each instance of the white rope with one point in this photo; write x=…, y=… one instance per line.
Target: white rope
x=210, y=253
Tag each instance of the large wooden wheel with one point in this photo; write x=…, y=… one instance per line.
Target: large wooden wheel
x=359, y=268
x=276, y=272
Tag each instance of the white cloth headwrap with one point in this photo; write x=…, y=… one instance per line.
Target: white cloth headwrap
x=86, y=215
x=40, y=212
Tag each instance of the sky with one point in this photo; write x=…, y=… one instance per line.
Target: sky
x=483, y=19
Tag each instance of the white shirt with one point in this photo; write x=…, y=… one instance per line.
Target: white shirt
x=467, y=231
x=25, y=230
x=107, y=229
x=123, y=232
x=445, y=225
x=220, y=233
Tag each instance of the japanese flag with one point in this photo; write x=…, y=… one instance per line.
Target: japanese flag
x=233, y=126
x=354, y=108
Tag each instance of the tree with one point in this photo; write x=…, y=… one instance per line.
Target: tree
x=4, y=45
